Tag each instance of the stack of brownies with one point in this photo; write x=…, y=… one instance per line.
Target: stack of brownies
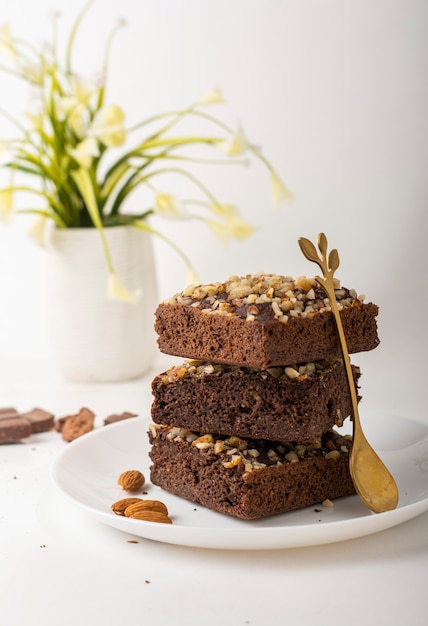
x=244, y=426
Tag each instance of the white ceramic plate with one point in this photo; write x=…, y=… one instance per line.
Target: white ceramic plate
x=86, y=471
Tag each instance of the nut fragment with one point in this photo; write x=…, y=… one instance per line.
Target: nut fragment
x=204, y=442
x=131, y=480
x=145, y=505
x=74, y=426
x=328, y=503
x=120, y=506
x=289, y=297
x=236, y=459
x=149, y=511
x=152, y=516
x=333, y=454
x=291, y=372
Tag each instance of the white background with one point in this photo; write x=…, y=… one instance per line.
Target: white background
x=336, y=93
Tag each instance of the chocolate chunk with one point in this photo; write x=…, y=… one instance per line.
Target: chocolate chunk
x=13, y=427
x=8, y=412
x=118, y=417
x=40, y=420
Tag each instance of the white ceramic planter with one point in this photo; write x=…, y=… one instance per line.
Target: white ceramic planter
x=93, y=338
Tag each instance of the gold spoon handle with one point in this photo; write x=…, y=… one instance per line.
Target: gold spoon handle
x=372, y=480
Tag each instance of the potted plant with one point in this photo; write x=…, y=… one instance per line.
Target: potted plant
x=76, y=156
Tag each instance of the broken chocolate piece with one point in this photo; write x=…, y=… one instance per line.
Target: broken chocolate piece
x=13, y=427
x=8, y=412
x=40, y=420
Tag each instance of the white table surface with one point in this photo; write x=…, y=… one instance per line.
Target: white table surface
x=58, y=567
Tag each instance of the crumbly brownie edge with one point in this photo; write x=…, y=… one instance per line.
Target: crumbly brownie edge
x=190, y=333
x=221, y=482
x=273, y=404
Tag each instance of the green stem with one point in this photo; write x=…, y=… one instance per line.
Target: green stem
x=105, y=63
x=144, y=226
x=13, y=120
x=177, y=141
x=178, y=115
x=169, y=143
x=188, y=159
x=129, y=187
x=86, y=188
x=10, y=71
x=186, y=174
x=73, y=33
x=50, y=199
x=57, y=220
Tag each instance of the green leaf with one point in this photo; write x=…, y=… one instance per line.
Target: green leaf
x=86, y=188
x=113, y=178
x=47, y=214
x=84, y=184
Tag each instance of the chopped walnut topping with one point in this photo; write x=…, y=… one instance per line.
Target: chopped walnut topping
x=236, y=451
x=191, y=367
x=204, y=442
x=288, y=297
x=333, y=454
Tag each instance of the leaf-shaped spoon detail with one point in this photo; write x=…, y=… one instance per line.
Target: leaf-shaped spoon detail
x=372, y=480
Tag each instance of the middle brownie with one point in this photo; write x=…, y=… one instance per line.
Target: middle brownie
x=295, y=403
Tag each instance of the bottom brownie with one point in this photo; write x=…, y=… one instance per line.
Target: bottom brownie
x=249, y=479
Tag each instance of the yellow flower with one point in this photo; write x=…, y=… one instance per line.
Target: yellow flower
x=74, y=107
x=191, y=276
x=64, y=105
x=70, y=108
x=85, y=151
x=235, y=146
x=215, y=96
x=279, y=191
x=232, y=227
x=108, y=126
x=33, y=72
x=4, y=146
x=37, y=230
x=77, y=120
x=36, y=120
x=239, y=228
x=6, y=41
x=169, y=206
x=224, y=210
x=117, y=291
x=81, y=88
x=6, y=205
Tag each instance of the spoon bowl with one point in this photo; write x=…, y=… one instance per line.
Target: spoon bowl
x=372, y=480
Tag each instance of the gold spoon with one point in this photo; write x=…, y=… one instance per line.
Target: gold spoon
x=372, y=480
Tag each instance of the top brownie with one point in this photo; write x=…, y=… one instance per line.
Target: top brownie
x=263, y=320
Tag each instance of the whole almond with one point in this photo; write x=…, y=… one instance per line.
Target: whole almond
x=131, y=480
x=146, y=505
x=120, y=506
x=151, y=516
